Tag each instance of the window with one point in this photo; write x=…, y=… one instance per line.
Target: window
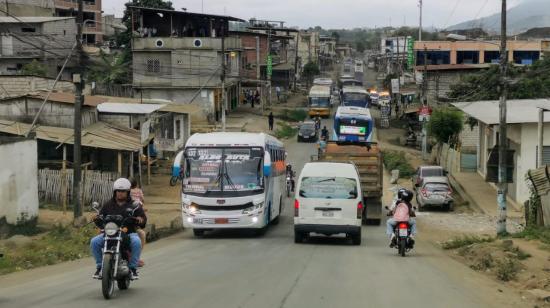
x=153, y=65
x=467, y=57
x=492, y=56
x=435, y=57
x=178, y=129
x=526, y=57
x=28, y=29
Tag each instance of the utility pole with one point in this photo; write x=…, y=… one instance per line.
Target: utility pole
x=222, y=77
x=425, y=103
x=296, y=61
x=78, y=78
x=420, y=26
x=503, y=140
x=267, y=73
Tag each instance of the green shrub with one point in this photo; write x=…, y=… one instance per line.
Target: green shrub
x=445, y=124
x=397, y=160
x=507, y=270
x=294, y=115
x=466, y=240
x=535, y=233
x=285, y=131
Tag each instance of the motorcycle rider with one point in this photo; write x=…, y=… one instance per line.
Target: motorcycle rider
x=324, y=133
x=290, y=174
x=120, y=204
x=402, y=211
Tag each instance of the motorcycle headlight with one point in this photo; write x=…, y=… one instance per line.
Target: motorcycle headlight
x=111, y=228
x=253, y=208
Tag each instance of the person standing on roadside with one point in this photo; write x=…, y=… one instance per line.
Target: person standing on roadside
x=278, y=91
x=270, y=120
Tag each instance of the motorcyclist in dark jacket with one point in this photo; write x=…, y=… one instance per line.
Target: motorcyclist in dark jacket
x=121, y=204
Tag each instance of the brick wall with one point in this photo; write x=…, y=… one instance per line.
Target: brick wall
x=249, y=54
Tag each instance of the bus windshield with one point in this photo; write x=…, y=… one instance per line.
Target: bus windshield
x=210, y=170
x=322, y=102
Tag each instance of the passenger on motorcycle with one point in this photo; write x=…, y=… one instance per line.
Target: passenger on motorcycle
x=324, y=133
x=402, y=211
x=119, y=205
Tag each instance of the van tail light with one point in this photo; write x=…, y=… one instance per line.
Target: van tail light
x=296, y=208
x=403, y=225
x=424, y=192
x=360, y=210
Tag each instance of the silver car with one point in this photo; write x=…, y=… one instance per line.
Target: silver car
x=435, y=191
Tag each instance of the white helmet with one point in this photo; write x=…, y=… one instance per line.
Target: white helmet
x=122, y=184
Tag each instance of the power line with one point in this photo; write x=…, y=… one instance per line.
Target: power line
x=452, y=13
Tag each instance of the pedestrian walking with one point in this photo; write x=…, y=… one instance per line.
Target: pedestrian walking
x=270, y=120
x=396, y=110
x=278, y=91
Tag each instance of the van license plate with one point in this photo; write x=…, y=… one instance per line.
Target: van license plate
x=328, y=214
x=221, y=220
x=403, y=232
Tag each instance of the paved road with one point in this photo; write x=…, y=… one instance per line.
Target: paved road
x=241, y=270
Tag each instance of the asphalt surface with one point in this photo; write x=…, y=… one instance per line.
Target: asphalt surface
x=239, y=269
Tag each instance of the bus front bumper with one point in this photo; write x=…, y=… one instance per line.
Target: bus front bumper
x=223, y=220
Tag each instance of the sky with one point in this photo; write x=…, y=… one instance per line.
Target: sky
x=339, y=14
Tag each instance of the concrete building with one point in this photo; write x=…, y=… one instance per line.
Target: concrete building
x=58, y=111
x=21, y=85
x=18, y=182
x=343, y=51
x=107, y=22
x=448, y=62
x=47, y=40
x=178, y=56
x=308, y=47
x=522, y=119
x=27, y=8
x=93, y=32
x=327, y=52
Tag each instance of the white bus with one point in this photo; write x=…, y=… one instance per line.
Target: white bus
x=232, y=181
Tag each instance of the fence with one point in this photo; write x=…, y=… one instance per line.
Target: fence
x=538, y=210
x=113, y=90
x=449, y=158
x=54, y=186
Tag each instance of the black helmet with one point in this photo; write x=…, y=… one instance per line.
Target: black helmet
x=405, y=195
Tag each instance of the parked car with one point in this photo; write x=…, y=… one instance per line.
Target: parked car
x=435, y=191
x=427, y=171
x=328, y=201
x=307, y=132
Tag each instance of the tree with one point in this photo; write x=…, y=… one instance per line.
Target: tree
x=35, y=68
x=311, y=69
x=360, y=46
x=445, y=125
x=336, y=36
x=111, y=69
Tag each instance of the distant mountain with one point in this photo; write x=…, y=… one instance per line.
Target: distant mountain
x=526, y=15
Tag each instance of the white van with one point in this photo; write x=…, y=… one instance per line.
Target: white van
x=328, y=201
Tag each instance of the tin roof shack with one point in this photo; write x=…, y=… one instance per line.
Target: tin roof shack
x=522, y=121
x=58, y=110
x=178, y=56
x=18, y=183
x=11, y=85
x=47, y=40
x=169, y=125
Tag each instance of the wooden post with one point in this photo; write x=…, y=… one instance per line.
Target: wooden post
x=119, y=165
x=64, y=180
x=131, y=165
x=148, y=167
x=139, y=165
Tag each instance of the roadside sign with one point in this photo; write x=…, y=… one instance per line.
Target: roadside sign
x=269, y=65
x=395, y=86
x=410, y=52
x=424, y=113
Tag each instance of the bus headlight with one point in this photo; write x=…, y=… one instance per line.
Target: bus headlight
x=191, y=209
x=253, y=208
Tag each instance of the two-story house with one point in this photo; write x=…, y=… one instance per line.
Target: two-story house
x=45, y=39
x=178, y=56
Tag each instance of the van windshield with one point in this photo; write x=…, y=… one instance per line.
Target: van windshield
x=328, y=188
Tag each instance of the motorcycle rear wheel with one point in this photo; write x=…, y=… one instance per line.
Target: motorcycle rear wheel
x=402, y=246
x=173, y=181
x=107, y=280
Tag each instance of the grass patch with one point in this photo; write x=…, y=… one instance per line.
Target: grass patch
x=285, y=131
x=466, y=240
x=397, y=160
x=534, y=233
x=507, y=269
x=294, y=115
x=484, y=263
x=63, y=243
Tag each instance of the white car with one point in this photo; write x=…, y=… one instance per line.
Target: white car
x=328, y=201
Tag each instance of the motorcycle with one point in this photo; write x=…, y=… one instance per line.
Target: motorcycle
x=175, y=178
x=116, y=251
x=288, y=185
x=402, y=236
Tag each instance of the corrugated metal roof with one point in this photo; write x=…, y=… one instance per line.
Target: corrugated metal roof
x=37, y=19
x=99, y=135
x=180, y=108
x=518, y=111
x=128, y=108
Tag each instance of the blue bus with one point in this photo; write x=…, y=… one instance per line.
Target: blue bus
x=355, y=96
x=353, y=124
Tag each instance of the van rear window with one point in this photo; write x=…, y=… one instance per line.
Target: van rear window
x=432, y=172
x=328, y=188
